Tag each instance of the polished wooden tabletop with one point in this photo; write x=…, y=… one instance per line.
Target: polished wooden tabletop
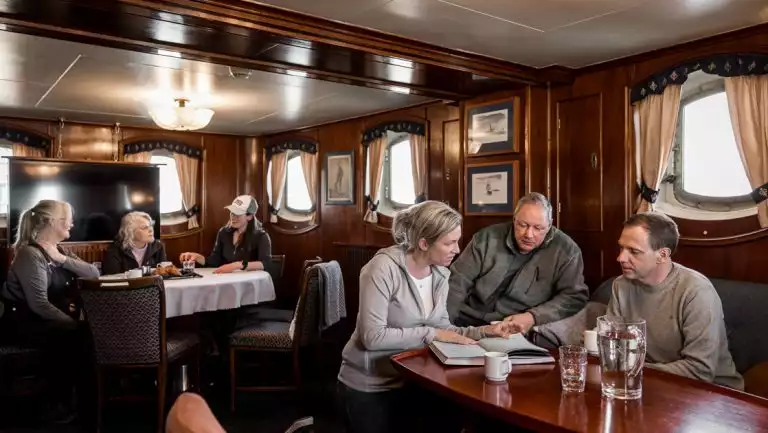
x=532, y=398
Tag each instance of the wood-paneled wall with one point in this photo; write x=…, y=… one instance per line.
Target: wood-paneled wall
x=595, y=118
x=221, y=169
x=343, y=226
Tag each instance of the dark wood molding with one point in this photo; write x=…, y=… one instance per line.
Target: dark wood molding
x=300, y=230
x=261, y=37
x=173, y=234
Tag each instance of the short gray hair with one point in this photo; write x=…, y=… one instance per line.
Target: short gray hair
x=535, y=198
x=128, y=226
x=429, y=220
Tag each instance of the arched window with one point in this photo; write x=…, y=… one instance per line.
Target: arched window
x=397, y=190
x=705, y=177
x=296, y=203
x=170, y=188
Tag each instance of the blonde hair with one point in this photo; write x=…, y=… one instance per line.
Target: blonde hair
x=128, y=226
x=429, y=220
x=36, y=218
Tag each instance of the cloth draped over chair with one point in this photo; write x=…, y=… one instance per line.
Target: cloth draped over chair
x=277, y=155
x=375, y=141
x=656, y=103
x=187, y=160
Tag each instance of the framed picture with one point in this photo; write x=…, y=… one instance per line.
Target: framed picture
x=492, y=127
x=340, y=178
x=492, y=188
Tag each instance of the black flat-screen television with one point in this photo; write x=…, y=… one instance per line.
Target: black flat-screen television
x=100, y=193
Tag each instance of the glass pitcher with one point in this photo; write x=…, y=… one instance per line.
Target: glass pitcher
x=621, y=343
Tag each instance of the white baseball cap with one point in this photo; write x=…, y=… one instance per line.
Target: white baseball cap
x=243, y=205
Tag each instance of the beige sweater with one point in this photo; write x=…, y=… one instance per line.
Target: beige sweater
x=391, y=320
x=684, y=325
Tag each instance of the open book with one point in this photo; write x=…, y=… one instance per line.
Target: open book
x=520, y=351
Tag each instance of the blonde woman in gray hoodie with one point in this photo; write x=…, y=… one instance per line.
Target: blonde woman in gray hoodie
x=403, y=292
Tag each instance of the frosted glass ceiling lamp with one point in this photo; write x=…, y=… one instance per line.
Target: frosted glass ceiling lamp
x=181, y=117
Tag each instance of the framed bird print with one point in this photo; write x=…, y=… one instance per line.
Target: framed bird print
x=491, y=188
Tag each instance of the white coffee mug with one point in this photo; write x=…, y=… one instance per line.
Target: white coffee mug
x=134, y=273
x=590, y=341
x=497, y=366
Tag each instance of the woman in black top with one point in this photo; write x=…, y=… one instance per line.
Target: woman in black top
x=40, y=297
x=240, y=245
x=134, y=247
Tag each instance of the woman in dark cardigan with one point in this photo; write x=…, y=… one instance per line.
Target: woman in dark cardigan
x=134, y=247
x=242, y=244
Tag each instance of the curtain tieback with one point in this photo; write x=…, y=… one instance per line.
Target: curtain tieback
x=373, y=206
x=272, y=210
x=760, y=194
x=648, y=194
x=421, y=198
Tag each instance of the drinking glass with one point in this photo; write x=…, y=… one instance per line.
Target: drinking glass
x=621, y=343
x=573, y=368
x=188, y=266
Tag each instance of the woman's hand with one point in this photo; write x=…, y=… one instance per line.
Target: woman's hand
x=228, y=268
x=185, y=257
x=499, y=329
x=53, y=252
x=447, y=336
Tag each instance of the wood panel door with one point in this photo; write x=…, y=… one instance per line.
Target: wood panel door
x=579, y=164
x=579, y=178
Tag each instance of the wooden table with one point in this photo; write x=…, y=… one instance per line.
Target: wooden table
x=532, y=398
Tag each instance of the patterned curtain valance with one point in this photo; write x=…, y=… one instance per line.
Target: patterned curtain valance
x=377, y=131
x=303, y=145
x=724, y=65
x=169, y=145
x=26, y=138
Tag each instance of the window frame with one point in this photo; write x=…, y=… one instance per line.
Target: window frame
x=291, y=155
x=674, y=173
x=4, y=215
x=175, y=217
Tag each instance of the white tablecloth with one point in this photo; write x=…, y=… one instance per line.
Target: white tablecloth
x=217, y=292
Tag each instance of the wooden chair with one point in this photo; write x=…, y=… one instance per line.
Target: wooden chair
x=273, y=336
x=126, y=318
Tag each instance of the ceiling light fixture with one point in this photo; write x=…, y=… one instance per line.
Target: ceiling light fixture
x=296, y=73
x=181, y=117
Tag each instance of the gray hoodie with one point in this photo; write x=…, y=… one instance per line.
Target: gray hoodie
x=391, y=320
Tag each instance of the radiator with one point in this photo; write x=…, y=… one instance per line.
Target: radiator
x=356, y=257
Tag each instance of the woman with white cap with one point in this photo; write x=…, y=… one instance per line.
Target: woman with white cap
x=242, y=244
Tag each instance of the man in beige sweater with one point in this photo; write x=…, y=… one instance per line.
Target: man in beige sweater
x=683, y=313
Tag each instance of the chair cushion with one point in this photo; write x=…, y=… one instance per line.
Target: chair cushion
x=177, y=344
x=268, y=335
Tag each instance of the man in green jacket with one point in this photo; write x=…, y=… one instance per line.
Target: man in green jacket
x=524, y=271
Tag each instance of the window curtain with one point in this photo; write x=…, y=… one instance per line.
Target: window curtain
x=748, y=107
x=309, y=167
x=419, y=166
x=376, y=149
x=279, y=162
x=188, y=168
x=655, y=124
x=29, y=151
x=143, y=157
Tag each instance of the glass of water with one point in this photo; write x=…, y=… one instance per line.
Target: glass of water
x=573, y=368
x=621, y=343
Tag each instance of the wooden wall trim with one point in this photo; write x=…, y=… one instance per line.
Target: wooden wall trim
x=307, y=27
